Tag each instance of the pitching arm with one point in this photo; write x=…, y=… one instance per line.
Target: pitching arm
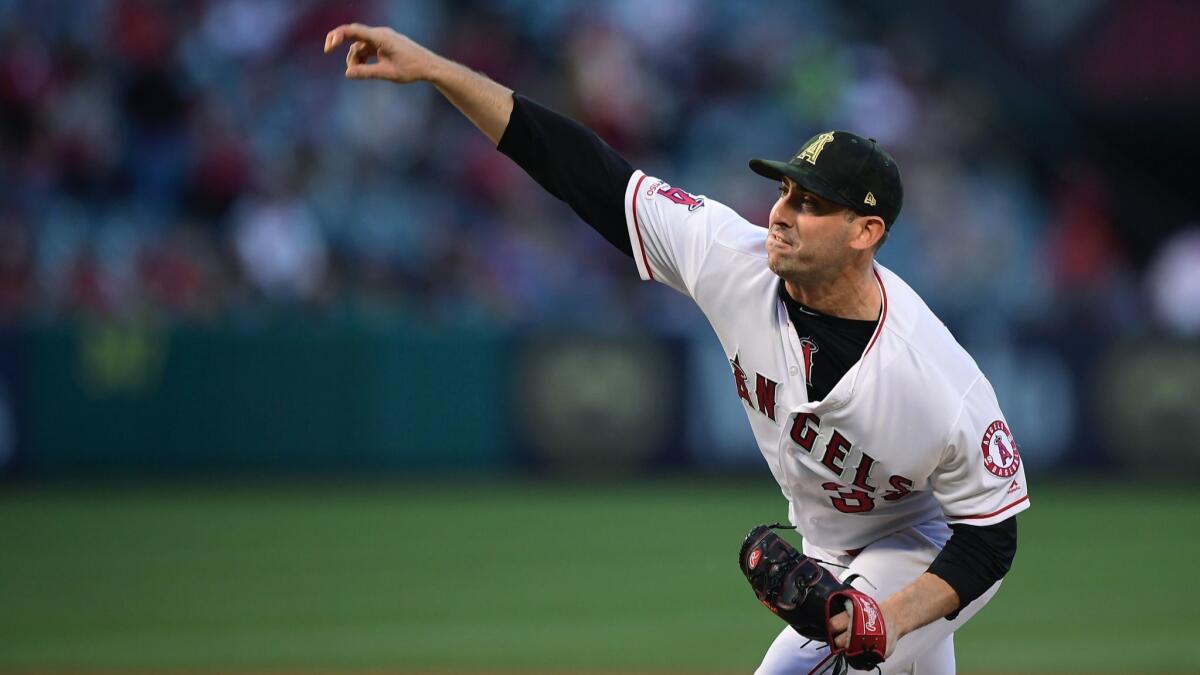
x=572, y=163
x=380, y=53
x=566, y=158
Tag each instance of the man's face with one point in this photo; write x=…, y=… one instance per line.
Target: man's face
x=809, y=236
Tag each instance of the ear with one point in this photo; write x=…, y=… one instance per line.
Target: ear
x=866, y=232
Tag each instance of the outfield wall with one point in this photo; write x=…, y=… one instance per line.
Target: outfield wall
x=147, y=398
x=136, y=398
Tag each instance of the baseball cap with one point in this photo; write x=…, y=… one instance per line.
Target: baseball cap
x=844, y=168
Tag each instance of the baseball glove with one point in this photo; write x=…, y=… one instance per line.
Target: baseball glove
x=806, y=596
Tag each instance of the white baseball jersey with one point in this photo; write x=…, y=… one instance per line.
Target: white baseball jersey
x=912, y=433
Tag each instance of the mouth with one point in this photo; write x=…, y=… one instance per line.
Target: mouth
x=778, y=239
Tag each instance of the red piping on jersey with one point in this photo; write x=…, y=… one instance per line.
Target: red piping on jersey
x=882, y=313
x=638, y=229
x=993, y=513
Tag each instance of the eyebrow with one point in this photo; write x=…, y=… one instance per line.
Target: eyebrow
x=802, y=192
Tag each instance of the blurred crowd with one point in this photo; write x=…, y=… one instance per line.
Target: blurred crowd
x=202, y=159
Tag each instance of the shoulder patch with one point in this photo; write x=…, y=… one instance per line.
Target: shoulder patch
x=678, y=196
x=1000, y=455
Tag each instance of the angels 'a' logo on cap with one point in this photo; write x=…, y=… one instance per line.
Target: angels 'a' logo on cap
x=814, y=148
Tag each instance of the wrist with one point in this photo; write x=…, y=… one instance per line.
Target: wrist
x=439, y=70
x=894, y=619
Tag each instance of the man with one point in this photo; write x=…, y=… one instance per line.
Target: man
x=882, y=433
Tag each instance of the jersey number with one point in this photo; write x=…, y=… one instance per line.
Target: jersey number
x=848, y=499
x=680, y=197
x=851, y=500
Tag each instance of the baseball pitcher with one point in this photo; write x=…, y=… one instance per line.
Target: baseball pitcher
x=900, y=471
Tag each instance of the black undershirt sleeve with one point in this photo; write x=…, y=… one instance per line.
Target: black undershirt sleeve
x=572, y=163
x=975, y=558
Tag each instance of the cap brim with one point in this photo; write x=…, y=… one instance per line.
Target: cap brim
x=776, y=170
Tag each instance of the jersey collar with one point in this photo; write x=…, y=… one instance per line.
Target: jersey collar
x=845, y=388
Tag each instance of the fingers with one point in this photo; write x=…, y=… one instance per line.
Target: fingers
x=839, y=622
x=839, y=626
x=354, y=31
x=358, y=66
x=366, y=71
x=358, y=53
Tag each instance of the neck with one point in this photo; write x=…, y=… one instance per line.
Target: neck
x=851, y=294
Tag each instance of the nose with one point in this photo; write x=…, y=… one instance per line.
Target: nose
x=779, y=216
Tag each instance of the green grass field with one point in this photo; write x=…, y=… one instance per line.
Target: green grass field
x=512, y=577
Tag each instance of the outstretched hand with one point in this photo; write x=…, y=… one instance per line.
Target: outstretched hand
x=380, y=53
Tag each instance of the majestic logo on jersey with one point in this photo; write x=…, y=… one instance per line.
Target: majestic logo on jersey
x=813, y=150
x=680, y=197
x=809, y=347
x=755, y=558
x=1000, y=454
x=764, y=389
